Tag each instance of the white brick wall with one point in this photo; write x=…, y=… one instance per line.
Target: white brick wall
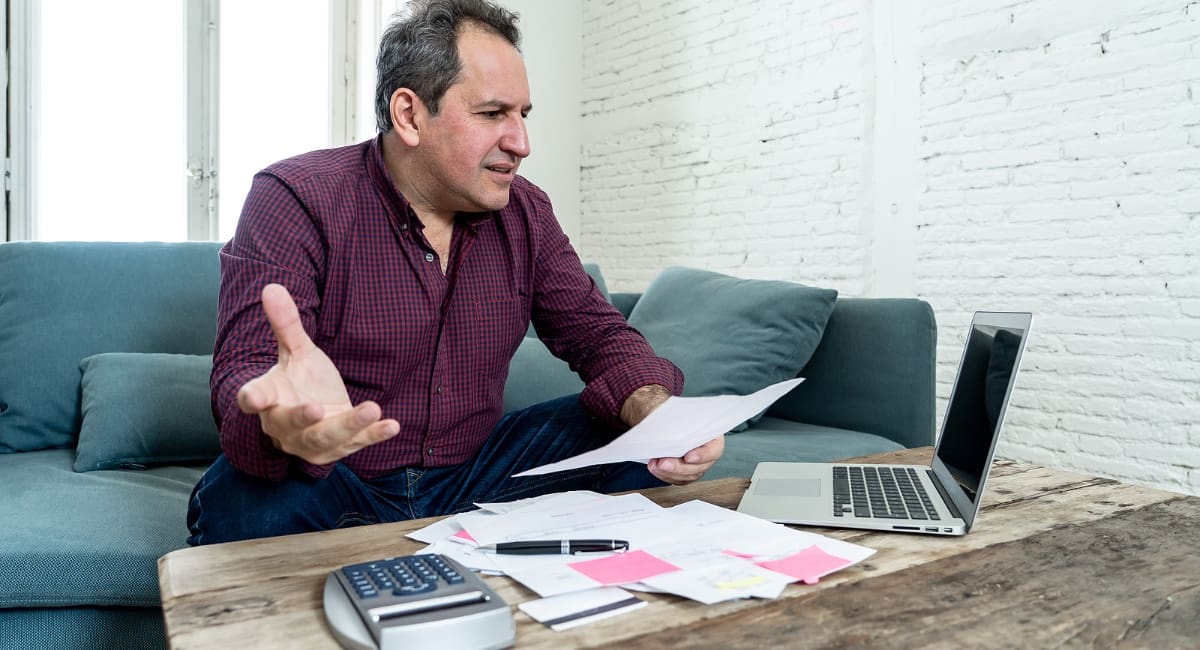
x=1052, y=164
x=711, y=127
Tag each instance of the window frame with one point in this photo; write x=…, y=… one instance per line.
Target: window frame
x=22, y=17
x=201, y=40
x=202, y=65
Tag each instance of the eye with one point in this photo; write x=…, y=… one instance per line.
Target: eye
x=491, y=115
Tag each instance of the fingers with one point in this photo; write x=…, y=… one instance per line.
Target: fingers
x=341, y=435
x=366, y=426
x=378, y=432
x=709, y=452
x=692, y=466
x=307, y=432
x=284, y=317
x=257, y=395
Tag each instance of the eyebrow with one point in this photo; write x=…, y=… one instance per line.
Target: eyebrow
x=500, y=104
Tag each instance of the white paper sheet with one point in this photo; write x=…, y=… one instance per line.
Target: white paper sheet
x=723, y=581
x=466, y=555
x=572, y=610
x=715, y=549
x=572, y=496
x=712, y=553
x=563, y=519
x=677, y=426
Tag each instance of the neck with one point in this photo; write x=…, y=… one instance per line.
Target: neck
x=402, y=178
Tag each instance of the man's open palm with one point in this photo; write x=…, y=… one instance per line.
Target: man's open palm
x=302, y=401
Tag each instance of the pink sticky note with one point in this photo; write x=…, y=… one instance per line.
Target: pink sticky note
x=463, y=534
x=623, y=568
x=807, y=565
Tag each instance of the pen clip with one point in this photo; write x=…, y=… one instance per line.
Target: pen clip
x=605, y=551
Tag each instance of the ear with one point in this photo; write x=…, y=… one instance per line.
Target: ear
x=407, y=109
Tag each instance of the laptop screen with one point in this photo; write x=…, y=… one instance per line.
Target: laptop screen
x=979, y=398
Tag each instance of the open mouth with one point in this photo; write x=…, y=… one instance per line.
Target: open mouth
x=504, y=169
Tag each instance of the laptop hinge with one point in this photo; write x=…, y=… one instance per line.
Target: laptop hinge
x=945, y=495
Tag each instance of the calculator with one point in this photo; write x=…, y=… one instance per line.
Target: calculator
x=415, y=601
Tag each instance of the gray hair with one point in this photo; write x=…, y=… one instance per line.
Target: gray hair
x=419, y=50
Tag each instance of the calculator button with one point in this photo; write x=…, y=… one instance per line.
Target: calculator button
x=418, y=588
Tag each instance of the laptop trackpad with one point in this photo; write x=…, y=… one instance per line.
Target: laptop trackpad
x=788, y=487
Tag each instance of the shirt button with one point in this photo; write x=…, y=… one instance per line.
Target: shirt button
x=428, y=257
x=403, y=226
x=430, y=451
x=439, y=390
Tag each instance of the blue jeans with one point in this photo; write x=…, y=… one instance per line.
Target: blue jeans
x=228, y=505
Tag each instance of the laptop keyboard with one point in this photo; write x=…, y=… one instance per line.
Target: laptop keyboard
x=880, y=492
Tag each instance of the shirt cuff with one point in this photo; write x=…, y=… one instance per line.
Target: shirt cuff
x=605, y=395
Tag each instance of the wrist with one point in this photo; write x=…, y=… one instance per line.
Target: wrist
x=642, y=402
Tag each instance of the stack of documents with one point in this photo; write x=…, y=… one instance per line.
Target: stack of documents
x=695, y=549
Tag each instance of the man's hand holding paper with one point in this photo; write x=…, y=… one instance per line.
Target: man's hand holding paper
x=674, y=429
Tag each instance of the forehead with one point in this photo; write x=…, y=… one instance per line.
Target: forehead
x=491, y=67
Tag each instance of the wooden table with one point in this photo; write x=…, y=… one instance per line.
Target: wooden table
x=1055, y=559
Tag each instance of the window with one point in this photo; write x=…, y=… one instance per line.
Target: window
x=110, y=121
x=146, y=119
x=272, y=105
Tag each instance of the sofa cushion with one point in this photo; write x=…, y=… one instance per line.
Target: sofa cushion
x=94, y=628
x=535, y=375
x=776, y=439
x=87, y=539
x=63, y=301
x=729, y=335
x=145, y=409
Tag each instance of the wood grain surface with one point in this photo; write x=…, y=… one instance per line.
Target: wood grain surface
x=1054, y=560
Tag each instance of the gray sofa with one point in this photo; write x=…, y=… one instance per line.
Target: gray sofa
x=103, y=431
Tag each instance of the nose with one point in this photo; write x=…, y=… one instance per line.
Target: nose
x=515, y=140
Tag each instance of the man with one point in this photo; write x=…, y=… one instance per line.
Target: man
x=372, y=299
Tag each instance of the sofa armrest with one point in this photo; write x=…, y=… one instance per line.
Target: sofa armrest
x=873, y=371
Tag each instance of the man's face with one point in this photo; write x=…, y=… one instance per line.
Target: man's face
x=471, y=149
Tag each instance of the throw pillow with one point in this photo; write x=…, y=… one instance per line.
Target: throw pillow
x=145, y=409
x=731, y=336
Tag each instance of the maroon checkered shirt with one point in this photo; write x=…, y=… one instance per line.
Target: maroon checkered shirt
x=432, y=349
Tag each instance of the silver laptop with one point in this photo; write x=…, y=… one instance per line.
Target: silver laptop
x=942, y=499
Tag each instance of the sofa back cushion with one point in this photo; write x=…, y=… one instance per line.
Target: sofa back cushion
x=874, y=371
x=63, y=301
x=731, y=336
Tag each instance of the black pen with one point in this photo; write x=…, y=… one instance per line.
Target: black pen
x=557, y=546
